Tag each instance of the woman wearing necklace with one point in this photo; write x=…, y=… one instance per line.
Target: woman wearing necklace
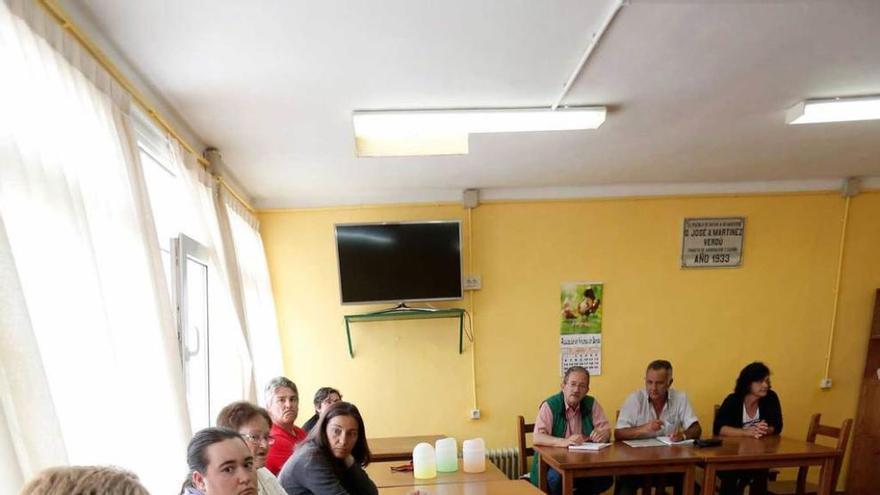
x=752, y=410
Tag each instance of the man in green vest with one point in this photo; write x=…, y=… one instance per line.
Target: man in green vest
x=571, y=417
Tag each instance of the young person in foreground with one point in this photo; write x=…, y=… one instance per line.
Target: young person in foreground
x=220, y=463
x=752, y=410
x=331, y=460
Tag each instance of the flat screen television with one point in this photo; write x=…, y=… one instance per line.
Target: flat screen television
x=399, y=262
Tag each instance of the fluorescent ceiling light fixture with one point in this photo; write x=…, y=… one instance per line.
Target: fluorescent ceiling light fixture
x=834, y=110
x=445, y=132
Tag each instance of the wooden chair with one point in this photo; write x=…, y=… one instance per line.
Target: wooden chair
x=522, y=429
x=801, y=487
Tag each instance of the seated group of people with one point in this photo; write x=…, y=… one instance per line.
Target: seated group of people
x=256, y=451
x=572, y=417
x=261, y=451
x=252, y=451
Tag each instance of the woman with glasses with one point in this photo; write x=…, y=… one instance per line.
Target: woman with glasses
x=253, y=424
x=752, y=410
x=324, y=397
x=331, y=460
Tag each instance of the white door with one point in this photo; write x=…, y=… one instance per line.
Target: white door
x=191, y=297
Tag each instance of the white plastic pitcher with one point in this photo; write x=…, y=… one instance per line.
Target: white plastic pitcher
x=474, y=455
x=424, y=462
x=447, y=455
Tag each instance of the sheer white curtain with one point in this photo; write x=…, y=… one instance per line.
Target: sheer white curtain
x=230, y=357
x=88, y=316
x=30, y=436
x=249, y=269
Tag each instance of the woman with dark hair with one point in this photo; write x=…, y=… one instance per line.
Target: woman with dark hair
x=331, y=460
x=220, y=463
x=324, y=397
x=253, y=424
x=752, y=410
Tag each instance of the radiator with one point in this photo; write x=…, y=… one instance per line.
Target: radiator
x=506, y=459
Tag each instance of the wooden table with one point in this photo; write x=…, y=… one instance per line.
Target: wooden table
x=619, y=459
x=765, y=453
x=398, y=448
x=506, y=487
x=383, y=477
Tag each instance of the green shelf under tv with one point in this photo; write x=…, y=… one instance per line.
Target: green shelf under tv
x=407, y=313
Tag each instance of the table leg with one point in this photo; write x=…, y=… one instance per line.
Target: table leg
x=542, y=475
x=759, y=487
x=567, y=482
x=709, y=479
x=687, y=483
x=825, y=476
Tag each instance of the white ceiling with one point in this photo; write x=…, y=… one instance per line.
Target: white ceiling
x=697, y=90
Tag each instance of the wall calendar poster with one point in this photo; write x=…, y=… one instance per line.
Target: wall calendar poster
x=580, y=329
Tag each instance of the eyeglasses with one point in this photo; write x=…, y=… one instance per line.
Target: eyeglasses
x=268, y=439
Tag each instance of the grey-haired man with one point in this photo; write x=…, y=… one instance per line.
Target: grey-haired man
x=656, y=410
x=282, y=401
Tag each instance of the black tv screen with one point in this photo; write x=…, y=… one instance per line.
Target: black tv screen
x=397, y=262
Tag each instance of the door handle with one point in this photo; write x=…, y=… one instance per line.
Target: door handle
x=190, y=352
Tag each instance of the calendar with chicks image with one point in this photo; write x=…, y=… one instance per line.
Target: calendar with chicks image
x=581, y=308
x=580, y=329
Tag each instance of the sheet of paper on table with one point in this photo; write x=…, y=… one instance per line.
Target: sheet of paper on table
x=644, y=442
x=656, y=442
x=670, y=441
x=588, y=447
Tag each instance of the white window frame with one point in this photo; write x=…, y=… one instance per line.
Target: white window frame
x=184, y=248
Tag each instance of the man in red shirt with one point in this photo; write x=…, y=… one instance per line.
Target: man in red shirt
x=282, y=402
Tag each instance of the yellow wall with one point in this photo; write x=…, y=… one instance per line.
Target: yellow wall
x=408, y=378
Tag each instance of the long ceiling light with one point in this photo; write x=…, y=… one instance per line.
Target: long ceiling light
x=445, y=132
x=834, y=110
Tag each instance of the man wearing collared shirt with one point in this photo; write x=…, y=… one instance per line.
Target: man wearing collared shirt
x=282, y=402
x=571, y=417
x=655, y=411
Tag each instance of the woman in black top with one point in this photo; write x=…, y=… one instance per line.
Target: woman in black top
x=752, y=410
x=331, y=460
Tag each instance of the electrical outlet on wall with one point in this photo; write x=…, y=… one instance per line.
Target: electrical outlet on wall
x=475, y=414
x=825, y=383
x=471, y=282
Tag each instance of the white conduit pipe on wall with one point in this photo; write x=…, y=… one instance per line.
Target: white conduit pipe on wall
x=840, y=252
x=615, y=8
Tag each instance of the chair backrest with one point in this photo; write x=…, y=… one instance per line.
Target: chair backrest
x=840, y=434
x=523, y=428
